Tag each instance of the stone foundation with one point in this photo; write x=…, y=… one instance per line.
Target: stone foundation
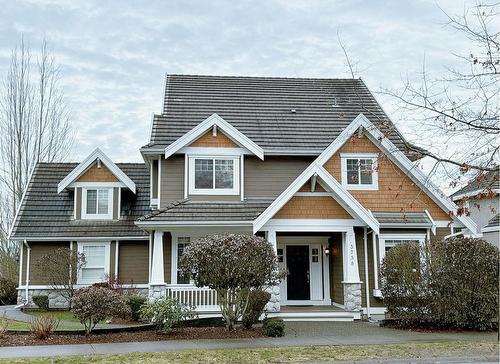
x=274, y=303
x=157, y=291
x=352, y=296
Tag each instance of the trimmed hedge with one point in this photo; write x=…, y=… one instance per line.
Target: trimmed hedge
x=42, y=302
x=452, y=283
x=274, y=327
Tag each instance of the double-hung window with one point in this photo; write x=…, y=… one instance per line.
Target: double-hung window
x=389, y=241
x=359, y=171
x=97, y=203
x=96, y=262
x=213, y=175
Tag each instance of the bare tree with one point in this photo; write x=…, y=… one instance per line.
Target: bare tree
x=34, y=124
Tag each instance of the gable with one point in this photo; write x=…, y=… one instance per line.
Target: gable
x=95, y=174
x=312, y=207
x=220, y=140
x=307, y=187
x=396, y=191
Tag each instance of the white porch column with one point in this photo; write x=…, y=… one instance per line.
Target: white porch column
x=274, y=304
x=157, y=286
x=351, y=282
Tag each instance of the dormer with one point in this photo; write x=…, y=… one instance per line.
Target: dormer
x=97, y=183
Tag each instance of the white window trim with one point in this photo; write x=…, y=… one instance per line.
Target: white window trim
x=213, y=191
x=108, y=216
x=107, y=256
x=373, y=157
x=405, y=237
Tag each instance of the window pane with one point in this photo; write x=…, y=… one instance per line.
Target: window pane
x=223, y=173
x=103, y=202
x=91, y=201
x=352, y=172
x=203, y=173
x=94, y=256
x=92, y=274
x=366, y=170
x=181, y=278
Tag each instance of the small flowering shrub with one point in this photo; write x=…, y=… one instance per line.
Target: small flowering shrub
x=233, y=265
x=92, y=305
x=165, y=313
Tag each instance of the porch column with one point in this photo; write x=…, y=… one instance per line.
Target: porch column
x=274, y=303
x=351, y=282
x=157, y=286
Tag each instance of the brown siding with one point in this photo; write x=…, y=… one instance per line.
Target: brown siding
x=172, y=179
x=78, y=196
x=167, y=254
x=272, y=176
x=112, y=257
x=133, y=264
x=116, y=203
x=396, y=192
x=440, y=233
x=312, y=207
x=336, y=269
x=218, y=141
x=38, y=250
x=94, y=174
x=154, y=177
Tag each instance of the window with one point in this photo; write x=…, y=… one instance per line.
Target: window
x=315, y=255
x=97, y=203
x=389, y=241
x=213, y=175
x=96, y=262
x=182, y=242
x=359, y=171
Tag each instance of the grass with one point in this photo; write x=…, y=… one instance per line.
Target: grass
x=290, y=354
x=61, y=315
x=18, y=325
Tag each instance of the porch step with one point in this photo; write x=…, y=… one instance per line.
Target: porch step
x=316, y=316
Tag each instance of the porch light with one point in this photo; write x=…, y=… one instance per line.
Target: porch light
x=326, y=250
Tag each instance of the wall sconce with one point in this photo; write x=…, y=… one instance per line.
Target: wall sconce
x=326, y=250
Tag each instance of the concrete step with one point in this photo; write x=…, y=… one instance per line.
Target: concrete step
x=315, y=316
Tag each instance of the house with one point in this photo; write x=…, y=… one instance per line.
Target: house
x=313, y=165
x=480, y=200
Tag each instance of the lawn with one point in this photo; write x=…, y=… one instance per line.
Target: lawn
x=291, y=354
x=61, y=315
x=18, y=325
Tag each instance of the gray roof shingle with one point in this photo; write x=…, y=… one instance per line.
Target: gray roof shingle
x=484, y=181
x=186, y=210
x=402, y=218
x=494, y=221
x=260, y=108
x=46, y=214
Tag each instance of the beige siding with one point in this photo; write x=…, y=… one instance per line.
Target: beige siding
x=167, y=254
x=112, y=257
x=116, y=203
x=312, y=207
x=38, y=250
x=172, y=179
x=133, y=264
x=154, y=185
x=78, y=196
x=336, y=269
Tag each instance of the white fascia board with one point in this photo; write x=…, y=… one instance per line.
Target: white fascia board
x=474, y=193
x=491, y=229
x=160, y=224
x=82, y=167
x=85, y=238
x=204, y=126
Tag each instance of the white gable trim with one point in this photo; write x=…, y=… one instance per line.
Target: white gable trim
x=342, y=196
x=82, y=167
x=378, y=138
x=214, y=120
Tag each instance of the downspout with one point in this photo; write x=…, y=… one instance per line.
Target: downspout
x=367, y=284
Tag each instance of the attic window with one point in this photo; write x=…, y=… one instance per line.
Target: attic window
x=359, y=171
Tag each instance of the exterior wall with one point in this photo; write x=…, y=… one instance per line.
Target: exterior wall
x=38, y=250
x=396, y=191
x=336, y=269
x=78, y=203
x=492, y=237
x=172, y=179
x=312, y=207
x=483, y=210
x=211, y=141
x=133, y=266
x=154, y=179
x=116, y=203
x=94, y=174
x=167, y=257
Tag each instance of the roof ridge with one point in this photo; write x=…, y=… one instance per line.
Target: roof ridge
x=263, y=77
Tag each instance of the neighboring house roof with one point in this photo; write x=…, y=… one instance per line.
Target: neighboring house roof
x=47, y=214
x=481, y=183
x=403, y=219
x=292, y=115
x=493, y=224
x=205, y=212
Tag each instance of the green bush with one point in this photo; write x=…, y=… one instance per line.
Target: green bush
x=135, y=302
x=92, y=305
x=274, y=327
x=42, y=302
x=455, y=284
x=165, y=313
x=8, y=291
x=257, y=301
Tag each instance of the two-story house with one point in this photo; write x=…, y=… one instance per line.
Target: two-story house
x=313, y=165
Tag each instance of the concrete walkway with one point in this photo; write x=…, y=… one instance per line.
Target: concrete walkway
x=298, y=334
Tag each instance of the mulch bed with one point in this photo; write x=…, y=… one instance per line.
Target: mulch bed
x=187, y=333
x=394, y=324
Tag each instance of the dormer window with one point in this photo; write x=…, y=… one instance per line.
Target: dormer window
x=213, y=175
x=97, y=203
x=359, y=171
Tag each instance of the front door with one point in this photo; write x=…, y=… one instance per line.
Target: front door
x=297, y=262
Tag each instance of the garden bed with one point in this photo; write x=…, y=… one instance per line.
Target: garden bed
x=396, y=324
x=186, y=333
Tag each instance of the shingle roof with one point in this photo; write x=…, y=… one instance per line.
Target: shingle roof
x=400, y=218
x=494, y=221
x=482, y=182
x=186, y=210
x=261, y=108
x=44, y=213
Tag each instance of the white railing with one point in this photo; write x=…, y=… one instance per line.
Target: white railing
x=202, y=299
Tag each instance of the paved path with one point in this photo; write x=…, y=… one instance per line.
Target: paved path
x=298, y=334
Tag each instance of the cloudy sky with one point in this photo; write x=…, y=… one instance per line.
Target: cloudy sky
x=114, y=54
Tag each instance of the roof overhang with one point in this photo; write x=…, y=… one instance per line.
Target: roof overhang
x=474, y=193
x=214, y=120
x=83, y=166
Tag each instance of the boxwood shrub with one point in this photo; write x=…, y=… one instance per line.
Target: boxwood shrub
x=42, y=302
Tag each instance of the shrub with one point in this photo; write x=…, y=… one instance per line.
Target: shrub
x=165, y=313
x=274, y=327
x=455, y=286
x=92, y=305
x=44, y=326
x=4, y=325
x=42, y=302
x=257, y=301
x=8, y=291
x=135, y=302
x=232, y=265
x=111, y=282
